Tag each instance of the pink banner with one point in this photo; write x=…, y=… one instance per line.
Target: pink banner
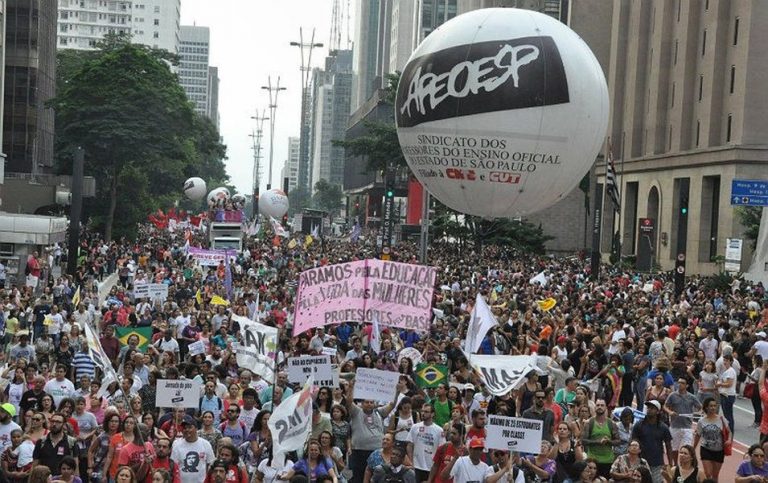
x=399, y=294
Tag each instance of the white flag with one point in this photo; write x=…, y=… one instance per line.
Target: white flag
x=540, y=278
x=502, y=374
x=316, y=231
x=278, y=228
x=258, y=347
x=291, y=421
x=375, y=341
x=481, y=321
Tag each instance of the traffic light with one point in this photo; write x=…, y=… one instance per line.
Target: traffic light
x=390, y=191
x=684, y=206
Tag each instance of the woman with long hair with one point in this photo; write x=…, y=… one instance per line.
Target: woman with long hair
x=67, y=472
x=128, y=433
x=405, y=366
x=161, y=475
x=642, y=475
x=707, y=380
x=38, y=427
x=97, y=452
x=260, y=433
x=313, y=465
x=709, y=432
x=63, y=353
x=540, y=465
x=565, y=452
x=659, y=392
x=125, y=475
x=625, y=464
x=640, y=366
x=155, y=433
x=135, y=406
x=687, y=468
x=324, y=400
x=46, y=406
x=400, y=423
x=16, y=388
x=231, y=399
x=332, y=452
x=40, y=474
x=586, y=472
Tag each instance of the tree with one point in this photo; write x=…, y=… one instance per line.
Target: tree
x=749, y=217
x=328, y=197
x=298, y=199
x=141, y=136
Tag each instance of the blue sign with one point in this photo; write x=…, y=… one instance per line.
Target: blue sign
x=745, y=192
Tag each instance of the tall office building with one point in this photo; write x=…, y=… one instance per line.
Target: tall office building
x=687, y=117
x=554, y=8
x=332, y=90
x=412, y=21
x=370, y=45
x=195, y=72
x=156, y=23
x=83, y=23
x=30, y=81
x=291, y=167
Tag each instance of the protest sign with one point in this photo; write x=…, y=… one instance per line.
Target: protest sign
x=398, y=294
x=330, y=351
x=411, y=353
x=291, y=422
x=177, y=393
x=300, y=368
x=258, y=347
x=514, y=434
x=197, y=347
x=140, y=291
x=501, y=374
x=375, y=384
x=210, y=258
x=150, y=291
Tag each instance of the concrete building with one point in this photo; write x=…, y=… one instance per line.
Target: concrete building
x=83, y=23
x=195, y=72
x=330, y=112
x=156, y=23
x=687, y=117
x=291, y=166
x=411, y=21
x=554, y=8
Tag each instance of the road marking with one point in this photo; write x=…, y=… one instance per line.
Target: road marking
x=748, y=411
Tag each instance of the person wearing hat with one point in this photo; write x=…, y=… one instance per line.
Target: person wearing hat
x=22, y=350
x=191, y=454
x=654, y=438
x=7, y=413
x=218, y=472
x=760, y=347
x=464, y=469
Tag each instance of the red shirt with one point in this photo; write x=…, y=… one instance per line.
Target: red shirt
x=442, y=457
x=165, y=464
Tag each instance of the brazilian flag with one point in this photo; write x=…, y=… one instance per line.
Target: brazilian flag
x=431, y=375
x=143, y=333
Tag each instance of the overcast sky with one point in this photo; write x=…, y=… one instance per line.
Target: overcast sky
x=250, y=42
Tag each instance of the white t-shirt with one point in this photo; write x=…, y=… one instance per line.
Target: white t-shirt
x=270, y=473
x=729, y=373
x=505, y=478
x=761, y=347
x=425, y=441
x=192, y=459
x=5, y=434
x=59, y=390
x=168, y=345
x=466, y=472
x=248, y=417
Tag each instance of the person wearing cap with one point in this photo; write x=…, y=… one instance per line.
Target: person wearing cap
x=217, y=473
x=760, y=347
x=193, y=455
x=469, y=468
x=654, y=438
x=7, y=413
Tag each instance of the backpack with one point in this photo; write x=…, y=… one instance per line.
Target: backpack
x=200, y=404
x=392, y=477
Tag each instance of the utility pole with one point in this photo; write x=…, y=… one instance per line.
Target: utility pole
x=75, y=211
x=256, y=136
x=272, y=112
x=305, y=67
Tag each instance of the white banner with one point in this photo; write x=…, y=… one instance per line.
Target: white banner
x=481, y=321
x=177, y=393
x=501, y=374
x=299, y=368
x=514, y=434
x=291, y=422
x=150, y=291
x=733, y=248
x=258, y=348
x=375, y=384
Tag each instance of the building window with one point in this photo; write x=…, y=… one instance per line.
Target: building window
x=157, y=9
x=728, y=128
x=701, y=86
x=733, y=77
x=698, y=129
x=736, y=31
x=704, y=43
x=156, y=35
x=157, y=21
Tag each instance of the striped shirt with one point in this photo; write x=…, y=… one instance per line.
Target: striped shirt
x=84, y=365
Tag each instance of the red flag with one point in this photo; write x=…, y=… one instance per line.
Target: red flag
x=195, y=220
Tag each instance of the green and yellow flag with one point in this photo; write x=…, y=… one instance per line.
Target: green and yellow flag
x=76, y=298
x=431, y=375
x=143, y=333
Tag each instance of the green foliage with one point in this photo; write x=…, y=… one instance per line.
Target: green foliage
x=328, y=197
x=749, y=217
x=298, y=199
x=720, y=281
x=141, y=136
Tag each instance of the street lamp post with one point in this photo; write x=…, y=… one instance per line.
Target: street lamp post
x=272, y=111
x=305, y=80
x=257, y=135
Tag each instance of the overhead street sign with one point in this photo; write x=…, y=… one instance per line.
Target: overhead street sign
x=745, y=192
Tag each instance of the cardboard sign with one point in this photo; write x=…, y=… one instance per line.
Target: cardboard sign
x=300, y=368
x=177, y=393
x=375, y=384
x=150, y=291
x=197, y=347
x=330, y=351
x=514, y=434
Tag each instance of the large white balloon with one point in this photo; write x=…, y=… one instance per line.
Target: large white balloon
x=273, y=203
x=501, y=112
x=194, y=188
x=216, y=194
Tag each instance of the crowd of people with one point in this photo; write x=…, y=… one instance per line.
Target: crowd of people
x=635, y=383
